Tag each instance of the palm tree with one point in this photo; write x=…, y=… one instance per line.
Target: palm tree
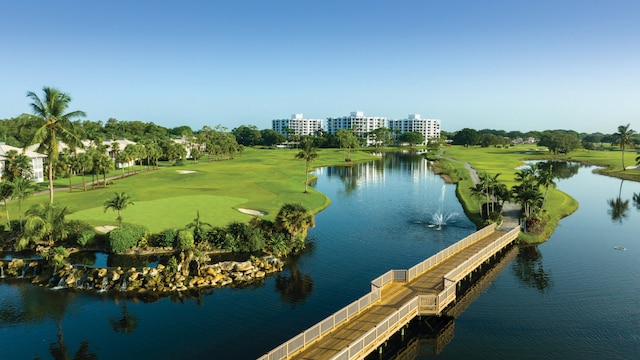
x=54, y=124
x=83, y=164
x=308, y=153
x=478, y=192
x=198, y=227
x=22, y=189
x=44, y=222
x=624, y=135
x=118, y=203
x=6, y=191
x=545, y=178
x=16, y=165
x=295, y=220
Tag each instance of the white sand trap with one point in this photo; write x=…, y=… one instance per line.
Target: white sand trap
x=105, y=229
x=185, y=171
x=252, y=212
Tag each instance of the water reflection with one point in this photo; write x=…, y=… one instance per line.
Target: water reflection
x=126, y=323
x=295, y=286
x=29, y=304
x=529, y=270
x=352, y=175
x=59, y=351
x=561, y=169
x=618, y=208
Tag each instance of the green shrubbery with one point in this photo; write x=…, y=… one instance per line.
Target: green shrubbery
x=80, y=232
x=165, y=238
x=126, y=237
x=184, y=240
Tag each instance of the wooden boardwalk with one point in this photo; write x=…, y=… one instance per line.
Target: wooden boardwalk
x=394, y=301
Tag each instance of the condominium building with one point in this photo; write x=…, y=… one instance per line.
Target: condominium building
x=297, y=125
x=360, y=124
x=430, y=128
x=37, y=160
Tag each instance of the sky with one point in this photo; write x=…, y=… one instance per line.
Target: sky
x=510, y=65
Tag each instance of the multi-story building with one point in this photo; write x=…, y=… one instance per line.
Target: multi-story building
x=360, y=124
x=430, y=128
x=297, y=125
x=37, y=161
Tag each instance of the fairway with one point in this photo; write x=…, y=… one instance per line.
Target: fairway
x=169, y=197
x=173, y=212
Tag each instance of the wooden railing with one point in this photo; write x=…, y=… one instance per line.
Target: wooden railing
x=366, y=343
x=420, y=305
x=320, y=329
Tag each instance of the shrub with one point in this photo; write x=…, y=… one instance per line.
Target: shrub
x=126, y=237
x=216, y=237
x=80, y=232
x=165, y=238
x=172, y=265
x=184, y=240
x=14, y=225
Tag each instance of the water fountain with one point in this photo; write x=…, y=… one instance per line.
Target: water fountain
x=439, y=218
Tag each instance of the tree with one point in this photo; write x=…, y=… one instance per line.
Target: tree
x=295, y=220
x=198, y=227
x=466, y=137
x=16, y=165
x=545, y=177
x=247, y=135
x=348, y=140
x=83, y=164
x=118, y=203
x=54, y=125
x=22, y=189
x=623, y=137
x=412, y=137
x=6, y=191
x=308, y=153
x=44, y=222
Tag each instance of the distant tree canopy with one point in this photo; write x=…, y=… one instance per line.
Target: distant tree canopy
x=412, y=138
x=560, y=142
x=467, y=137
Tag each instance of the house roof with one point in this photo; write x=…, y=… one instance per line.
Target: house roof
x=4, y=149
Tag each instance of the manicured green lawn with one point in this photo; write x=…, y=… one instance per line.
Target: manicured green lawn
x=259, y=179
x=504, y=161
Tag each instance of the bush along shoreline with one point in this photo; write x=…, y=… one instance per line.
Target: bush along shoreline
x=188, y=269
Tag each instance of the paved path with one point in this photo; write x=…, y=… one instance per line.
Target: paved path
x=510, y=211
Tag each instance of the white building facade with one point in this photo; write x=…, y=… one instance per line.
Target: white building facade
x=297, y=125
x=37, y=161
x=360, y=124
x=429, y=128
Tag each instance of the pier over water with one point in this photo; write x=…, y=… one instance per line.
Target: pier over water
x=395, y=298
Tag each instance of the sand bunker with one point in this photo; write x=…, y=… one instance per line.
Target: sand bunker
x=252, y=212
x=105, y=229
x=185, y=171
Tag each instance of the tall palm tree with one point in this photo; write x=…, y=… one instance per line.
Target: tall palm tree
x=83, y=164
x=295, y=220
x=22, y=189
x=308, y=153
x=54, y=125
x=545, y=178
x=118, y=203
x=624, y=136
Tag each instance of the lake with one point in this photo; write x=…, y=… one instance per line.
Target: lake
x=573, y=296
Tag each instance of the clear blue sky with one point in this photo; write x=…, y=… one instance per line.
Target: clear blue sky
x=512, y=65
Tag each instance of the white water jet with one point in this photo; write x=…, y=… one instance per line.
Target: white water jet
x=105, y=283
x=439, y=218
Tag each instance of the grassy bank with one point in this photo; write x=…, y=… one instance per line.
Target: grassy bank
x=503, y=161
x=259, y=179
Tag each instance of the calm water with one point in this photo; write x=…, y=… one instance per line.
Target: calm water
x=574, y=296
